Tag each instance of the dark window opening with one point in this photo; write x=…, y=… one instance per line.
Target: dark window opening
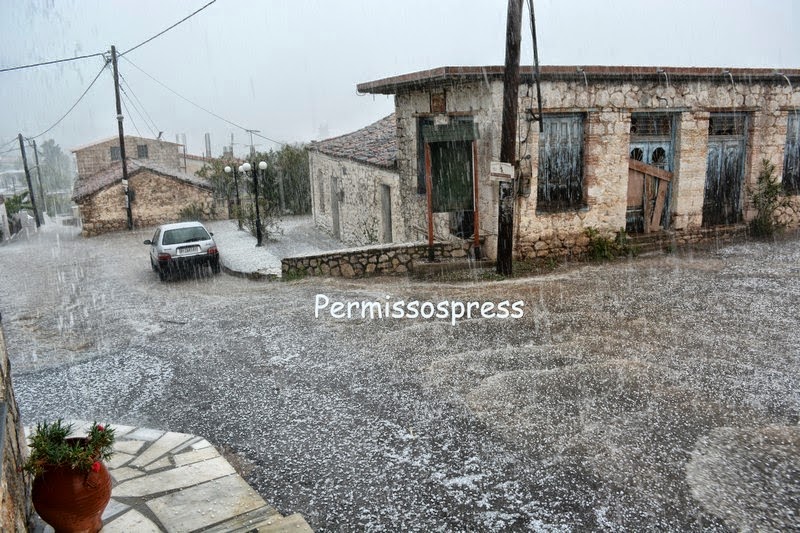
x=791, y=159
x=726, y=124
x=560, y=183
x=458, y=129
x=141, y=151
x=116, y=155
x=651, y=125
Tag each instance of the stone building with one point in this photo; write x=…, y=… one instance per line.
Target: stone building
x=354, y=185
x=98, y=156
x=161, y=187
x=636, y=148
x=159, y=196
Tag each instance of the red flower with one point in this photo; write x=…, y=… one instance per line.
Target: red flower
x=96, y=466
x=100, y=428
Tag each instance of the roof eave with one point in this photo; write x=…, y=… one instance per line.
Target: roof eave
x=443, y=76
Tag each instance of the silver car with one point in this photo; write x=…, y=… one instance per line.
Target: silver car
x=182, y=247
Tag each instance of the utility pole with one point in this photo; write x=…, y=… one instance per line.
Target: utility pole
x=28, y=178
x=252, y=146
x=508, y=142
x=121, y=139
x=39, y=178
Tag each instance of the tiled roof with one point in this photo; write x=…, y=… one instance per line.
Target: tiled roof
x=374, y=145
x=91, y=184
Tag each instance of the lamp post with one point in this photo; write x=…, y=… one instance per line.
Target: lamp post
x=229, y=170
x=247, y=168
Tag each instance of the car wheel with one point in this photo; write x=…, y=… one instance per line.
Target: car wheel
x=162, y=275
x=153, y=265
x=215, y=267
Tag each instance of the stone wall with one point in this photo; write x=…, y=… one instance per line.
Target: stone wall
x=159, y=199
x=94, y=158
x=358, y=190
x=368, y=260
x=607, y=105
x=15, y=507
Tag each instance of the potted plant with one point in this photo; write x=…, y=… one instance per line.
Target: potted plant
x=71, y=485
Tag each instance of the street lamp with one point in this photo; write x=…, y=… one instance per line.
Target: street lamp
x=247, y=167
x=229, y=170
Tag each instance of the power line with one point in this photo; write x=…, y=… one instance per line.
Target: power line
x=73, y=105
x=9, y=69
x=130, y=116
x=151, y=125
x=165, y=31
x=201, y=107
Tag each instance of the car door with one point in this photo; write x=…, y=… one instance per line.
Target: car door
x=154, y=246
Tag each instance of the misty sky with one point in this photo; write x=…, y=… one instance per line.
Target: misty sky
x=289, y=68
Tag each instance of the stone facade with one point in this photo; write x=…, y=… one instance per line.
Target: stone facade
x=15, y=507
x=606, y=98
x=356, y=188
x=93, y=158
x=159, y=199
x=368, y=260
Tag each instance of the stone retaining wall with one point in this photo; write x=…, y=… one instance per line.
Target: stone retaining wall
x=14, y=490
x=369, y=260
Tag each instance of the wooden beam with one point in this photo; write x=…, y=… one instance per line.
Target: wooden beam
x=650, y=170
x=655, y=222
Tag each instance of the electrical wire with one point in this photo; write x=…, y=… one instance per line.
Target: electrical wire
x=129, y=115
x=9, y=69
x=15, y=139
x=140, y=108
x=198, y=106
x=73, y=105
x=165, y=31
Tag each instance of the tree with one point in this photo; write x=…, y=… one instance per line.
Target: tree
x=58, y=175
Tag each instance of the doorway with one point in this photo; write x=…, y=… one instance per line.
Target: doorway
x=727, y=141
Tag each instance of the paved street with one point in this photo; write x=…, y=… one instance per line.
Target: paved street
x=661, y=393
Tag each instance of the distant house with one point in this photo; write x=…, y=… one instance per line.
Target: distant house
x=646, y=149
x=93, y=158
x=161, y=189
x=355, y=185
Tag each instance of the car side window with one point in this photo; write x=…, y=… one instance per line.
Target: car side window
x=155, y=236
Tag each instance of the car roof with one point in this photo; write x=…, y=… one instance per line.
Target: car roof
x=178, y=225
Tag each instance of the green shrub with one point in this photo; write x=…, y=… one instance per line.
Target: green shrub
x=605, y=248
x=767, y=197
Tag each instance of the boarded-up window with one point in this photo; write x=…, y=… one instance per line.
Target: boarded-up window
x=791, y=160
x=141, y=151
x=560, y=183
x=458, y=129
x=115, y=153
x=451, y=176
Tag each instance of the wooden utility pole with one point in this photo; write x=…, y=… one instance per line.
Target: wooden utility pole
x=125, y=184
x=28, y=178
x=39, y=179
x=508, y=142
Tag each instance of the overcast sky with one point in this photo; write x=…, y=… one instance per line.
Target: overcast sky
x=289, y=68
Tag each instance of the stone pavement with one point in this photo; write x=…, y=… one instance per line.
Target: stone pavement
x=176, y=482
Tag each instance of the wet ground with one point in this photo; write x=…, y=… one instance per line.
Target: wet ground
x=661, y=393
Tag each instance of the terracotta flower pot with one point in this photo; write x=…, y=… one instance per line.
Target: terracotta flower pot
x=70, y=500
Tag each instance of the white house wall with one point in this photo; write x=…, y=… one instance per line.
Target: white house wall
x=360, y=210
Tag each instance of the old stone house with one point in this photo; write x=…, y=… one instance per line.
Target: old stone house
x=93, y=158
x=353, y=177
x=636, y=148
x=161, y=188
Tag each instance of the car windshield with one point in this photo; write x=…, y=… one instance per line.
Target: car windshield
x=181, y=235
